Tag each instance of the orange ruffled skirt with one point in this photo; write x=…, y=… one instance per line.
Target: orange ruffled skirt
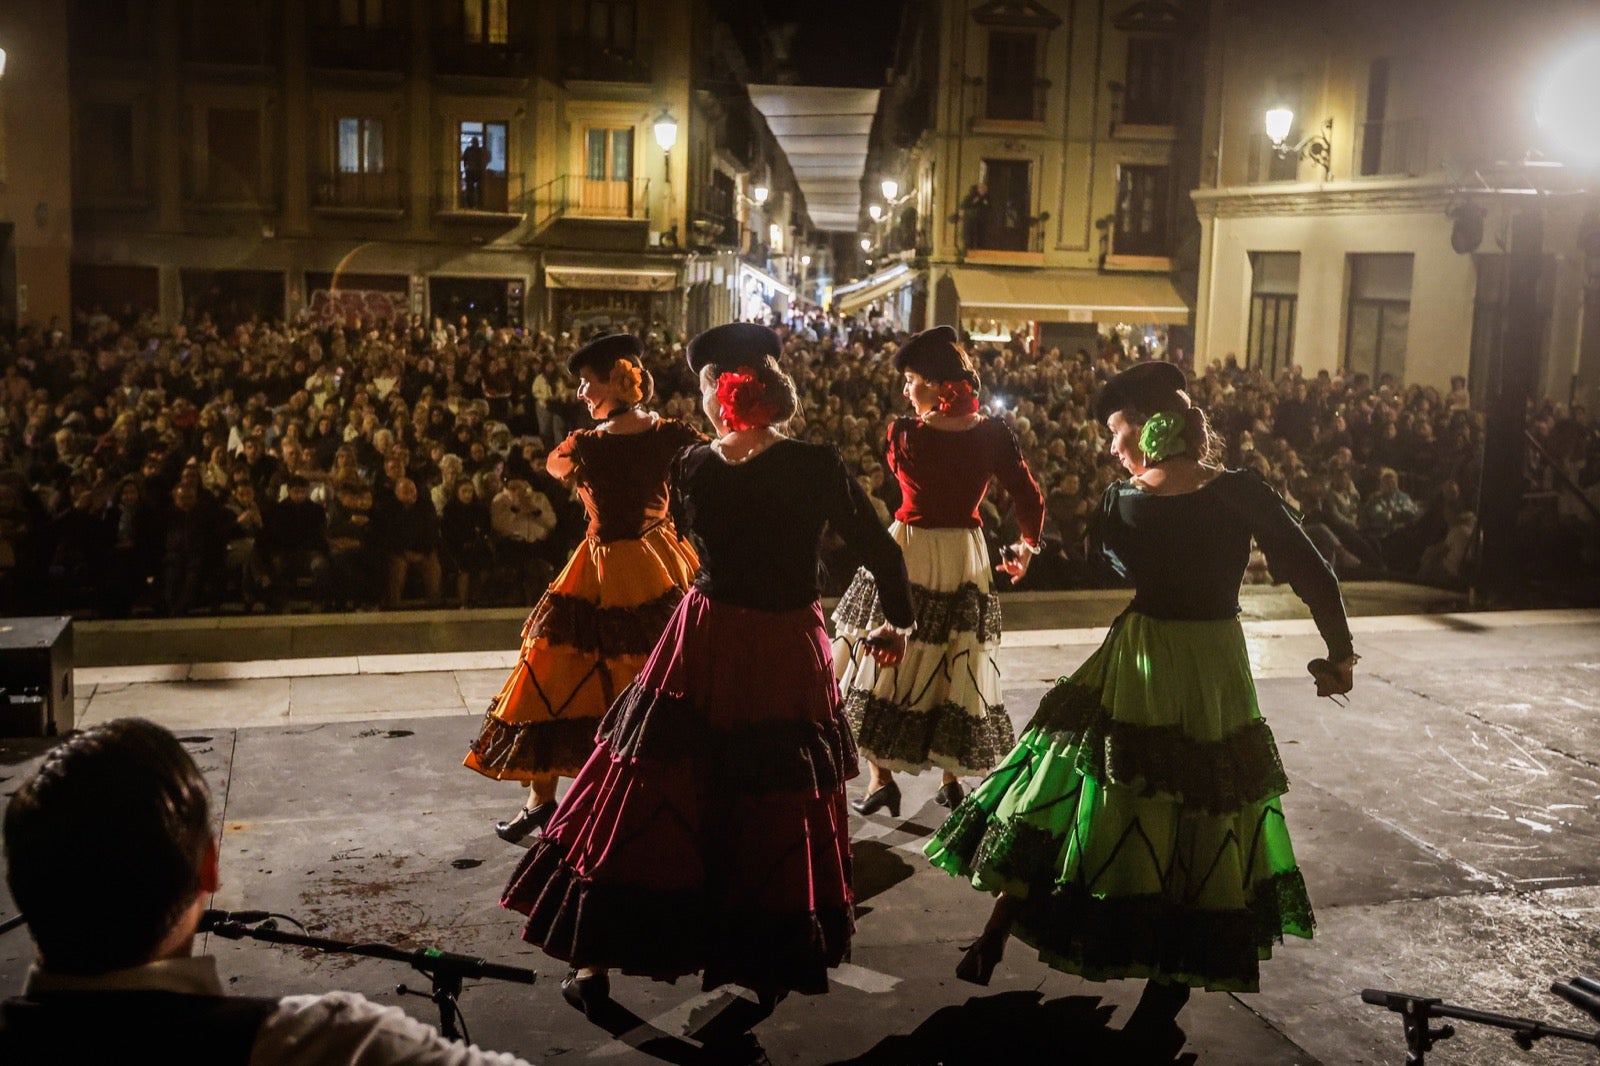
x=587, y=637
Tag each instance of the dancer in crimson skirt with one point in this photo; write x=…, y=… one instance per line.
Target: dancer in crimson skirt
x=708, y=833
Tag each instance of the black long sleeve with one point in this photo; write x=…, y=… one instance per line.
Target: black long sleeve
x=851, y=515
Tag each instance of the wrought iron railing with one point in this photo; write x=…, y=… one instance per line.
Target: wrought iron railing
x=371, y=190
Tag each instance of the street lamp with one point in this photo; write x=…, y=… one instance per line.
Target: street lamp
x=890, y=189
x=1566, y=106
x=1317, y=147
x=866, y=244
x=875, y=211
x=759, y=194
x=666, y=128
x=2, y=62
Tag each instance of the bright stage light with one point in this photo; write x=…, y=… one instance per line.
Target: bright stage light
x=1568, y=107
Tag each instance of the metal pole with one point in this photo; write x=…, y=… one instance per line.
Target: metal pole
x=1513, y=379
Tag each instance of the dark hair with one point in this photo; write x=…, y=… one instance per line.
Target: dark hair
x=1205, y=444
x=130, y=785
x=779, y=387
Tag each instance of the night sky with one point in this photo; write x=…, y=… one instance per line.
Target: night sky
x=841, y=42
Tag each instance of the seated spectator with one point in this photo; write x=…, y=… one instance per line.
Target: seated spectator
x=100, y=990
x=352, y=547
x=293, y=544
x=408, y=535
x=244, y=569
x=190, y=539
x=465, y=547
x=522, y=519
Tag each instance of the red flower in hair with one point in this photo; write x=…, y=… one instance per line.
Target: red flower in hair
x=957, y=398
x=743, y=400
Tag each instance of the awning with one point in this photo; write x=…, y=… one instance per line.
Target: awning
x=1068, y=296
x=824, y=133
x=769, y=283
x=642, y=279
x=858, y=294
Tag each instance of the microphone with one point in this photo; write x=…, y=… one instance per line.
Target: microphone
x=210, y=919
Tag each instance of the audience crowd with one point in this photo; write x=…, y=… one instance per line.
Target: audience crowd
x=154, y=469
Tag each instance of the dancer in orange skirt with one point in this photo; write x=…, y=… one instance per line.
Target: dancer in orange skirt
x=592, y=630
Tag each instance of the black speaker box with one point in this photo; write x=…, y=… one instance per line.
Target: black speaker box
x=36, y=676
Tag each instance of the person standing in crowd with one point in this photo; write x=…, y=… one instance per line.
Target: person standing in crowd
x=1157, y=738
x=942, y=705
x=465, y=548
x=408, y=531
x=708, y=832
x=588, y=635
x=99, y=990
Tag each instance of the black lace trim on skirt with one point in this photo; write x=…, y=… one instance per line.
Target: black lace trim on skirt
x=756, y=758
x=1216, y=776
x=892, y=732
x=939, y=615
x=518, y=751
x=669, y=934
x=607, y=631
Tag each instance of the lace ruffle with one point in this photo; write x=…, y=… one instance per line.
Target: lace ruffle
x=898, y=737
x=756, y=758
x=607, y=631
x=939, y=615
x=668, y=934
x=1216, y=776
x=507, y=751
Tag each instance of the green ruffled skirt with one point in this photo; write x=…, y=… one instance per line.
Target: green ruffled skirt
x=1137, y=821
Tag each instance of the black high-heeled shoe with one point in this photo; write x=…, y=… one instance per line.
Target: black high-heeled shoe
x=950, y=795
x=527, y=820
x=887, y=796
x=983, y=954
x=587, y=994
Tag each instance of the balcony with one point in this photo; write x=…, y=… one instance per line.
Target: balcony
x=381, y=194
x=585, y=60
x=1398, y=148
x=498, y=195
x=713, y=229
x=575, y=196
x=987, y=235
x=338, y=47
x=472, y=59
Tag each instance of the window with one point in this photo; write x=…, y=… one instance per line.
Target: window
x=1143, y=209
x=1274, y=299
x=1379, y=315
x=482, y=185
x=105, y=136
x=1147, y=94
x=1390, y=145
x=607, y=171
x=366, y=14
x=485, y=21
x=611, y=25
x=1377, y=106
x=360, y=148
x=997, y=212
x=1011, y=76
x=233, y=140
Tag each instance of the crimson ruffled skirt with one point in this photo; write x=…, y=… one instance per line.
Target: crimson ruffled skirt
x=708, y=833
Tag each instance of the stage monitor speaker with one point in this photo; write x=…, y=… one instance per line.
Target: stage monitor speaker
x=36, y=676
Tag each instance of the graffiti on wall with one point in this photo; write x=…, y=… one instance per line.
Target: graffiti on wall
x=347, y=305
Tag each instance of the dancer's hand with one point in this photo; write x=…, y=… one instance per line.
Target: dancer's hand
x=1333, y=679
x=886, y=646
x=1014, y=560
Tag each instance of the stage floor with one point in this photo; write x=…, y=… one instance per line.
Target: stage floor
x=1447, y=822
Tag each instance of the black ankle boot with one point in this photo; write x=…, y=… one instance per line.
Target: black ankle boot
x=527, y=820
x=950, y=795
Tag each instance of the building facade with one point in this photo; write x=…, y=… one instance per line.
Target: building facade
x=1050, y=191
x=35, y=166
x=535, y=163
x=1379, y=246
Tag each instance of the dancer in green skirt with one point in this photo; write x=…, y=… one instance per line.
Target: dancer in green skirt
x=1136, y=830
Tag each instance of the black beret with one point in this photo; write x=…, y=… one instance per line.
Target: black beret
x=935, y=354
x=1150, y=387
x=602, y=353
x=731, y=345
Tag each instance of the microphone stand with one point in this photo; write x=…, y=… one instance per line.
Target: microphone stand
x=1416, y=1012
x=446, y=970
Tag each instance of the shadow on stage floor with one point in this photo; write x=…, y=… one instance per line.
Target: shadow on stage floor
x=1013, y=1026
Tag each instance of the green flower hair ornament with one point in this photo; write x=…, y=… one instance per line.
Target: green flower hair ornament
x=1162, y=436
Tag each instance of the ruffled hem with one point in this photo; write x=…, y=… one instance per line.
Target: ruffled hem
x=669, y=934
x=749, y=757
x=508, y=751
x=946, y=735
